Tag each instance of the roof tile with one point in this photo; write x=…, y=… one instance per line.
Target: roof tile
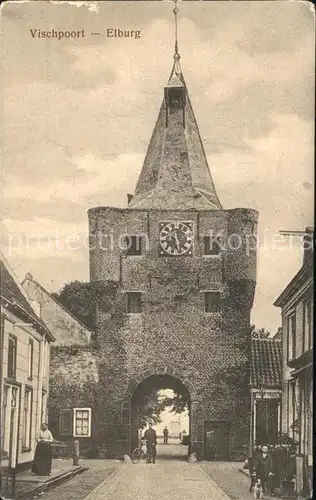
x=266, y=363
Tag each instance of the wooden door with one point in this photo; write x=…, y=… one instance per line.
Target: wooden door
x=216, y=440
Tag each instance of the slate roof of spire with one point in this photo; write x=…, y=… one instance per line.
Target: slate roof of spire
x=175, y=173
x=266, y=363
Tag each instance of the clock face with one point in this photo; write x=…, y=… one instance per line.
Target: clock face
x=176, y=238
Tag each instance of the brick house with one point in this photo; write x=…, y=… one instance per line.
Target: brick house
x=296, y=303
x=25, y=352
x=73, y=370
x=266, y=390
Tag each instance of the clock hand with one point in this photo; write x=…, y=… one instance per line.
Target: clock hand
x=177, y=241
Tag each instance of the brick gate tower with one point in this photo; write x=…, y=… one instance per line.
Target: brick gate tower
x=176, y=281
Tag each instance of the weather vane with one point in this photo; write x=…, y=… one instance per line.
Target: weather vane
x=176, y=11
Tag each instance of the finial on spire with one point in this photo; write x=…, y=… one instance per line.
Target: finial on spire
x=176, y=11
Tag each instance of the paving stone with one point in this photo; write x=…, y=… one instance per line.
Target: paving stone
x=227, y=475
x=79, y=486
x=165, y=480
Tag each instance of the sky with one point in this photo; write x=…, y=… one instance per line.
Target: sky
x=168, y=418
x=79, y=113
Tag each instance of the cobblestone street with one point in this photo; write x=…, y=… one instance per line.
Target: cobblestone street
x=165, y=480
x=172, y=477
x=80, y=486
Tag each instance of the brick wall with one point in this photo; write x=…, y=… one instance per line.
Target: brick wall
x=208, y=352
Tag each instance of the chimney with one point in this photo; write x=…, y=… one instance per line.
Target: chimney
x=308, y=244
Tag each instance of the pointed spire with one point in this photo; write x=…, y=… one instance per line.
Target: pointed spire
x=175, y=172
x=176, y=77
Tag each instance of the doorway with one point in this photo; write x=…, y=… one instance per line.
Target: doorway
x=163, y=401
x=217, y=440
x=10, y=423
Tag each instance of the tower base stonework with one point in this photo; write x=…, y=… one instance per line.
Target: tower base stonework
x=173, y=341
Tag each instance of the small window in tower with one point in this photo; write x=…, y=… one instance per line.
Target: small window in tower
x=212, y=302
x=211, y=245
x=133, y=244
x=175, y=99
x=134, y=302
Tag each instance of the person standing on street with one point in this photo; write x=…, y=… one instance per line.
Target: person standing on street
x=151, y=440
x=165, y=435
x=252, y=463
x=264, y=470
x=42, y=464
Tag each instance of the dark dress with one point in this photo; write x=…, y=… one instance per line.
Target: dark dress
x=42, y=464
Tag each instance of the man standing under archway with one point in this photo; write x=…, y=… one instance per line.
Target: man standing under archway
x=151, y=440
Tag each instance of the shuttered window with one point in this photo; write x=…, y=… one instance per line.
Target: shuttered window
x=12, y=347
x=212, y=302
x=211, y=245
x=133, y=302
x=133, y=244
x=65, y=422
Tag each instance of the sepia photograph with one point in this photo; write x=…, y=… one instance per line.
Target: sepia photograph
x=157, y=249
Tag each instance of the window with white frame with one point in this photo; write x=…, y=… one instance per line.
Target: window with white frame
x=11, y=407
x=43, y=407
x=307, y=324
x=30, y=359
x=27, y=419
x=4, y=416
x=82, y=422
x=12, y=349
x=291, y=336
x=292, y=408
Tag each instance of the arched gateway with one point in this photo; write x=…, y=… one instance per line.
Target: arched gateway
x=160, y=380
x=176, y=274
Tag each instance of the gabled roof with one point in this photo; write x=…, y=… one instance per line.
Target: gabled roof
x=305, y=275
x=29, y=277
x=175, y=173
x=174, y=81
x=266, y=363
x=15, y=298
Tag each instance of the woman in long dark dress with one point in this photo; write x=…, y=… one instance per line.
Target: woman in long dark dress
x=42, y=464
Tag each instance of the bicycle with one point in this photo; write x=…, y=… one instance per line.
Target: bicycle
x=139, y=453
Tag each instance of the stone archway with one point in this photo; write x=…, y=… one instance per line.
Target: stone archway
x=161, y=379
